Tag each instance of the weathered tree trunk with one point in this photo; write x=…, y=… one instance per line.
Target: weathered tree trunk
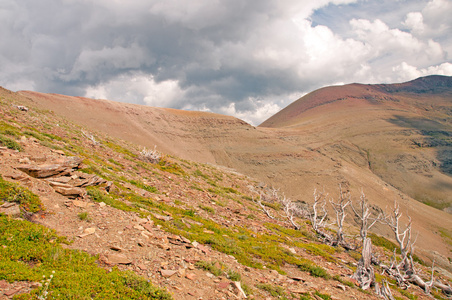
x=365, y=272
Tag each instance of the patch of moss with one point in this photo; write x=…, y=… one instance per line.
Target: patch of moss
x=31, y=251
x=12, y=192
x=9, y=143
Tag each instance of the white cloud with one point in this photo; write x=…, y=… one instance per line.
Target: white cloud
x=138, y=89
x=234, y=57
x=415, y=21
x=407, y=72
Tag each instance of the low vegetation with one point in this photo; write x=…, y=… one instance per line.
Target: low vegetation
x=31, y=252
x=196, y=202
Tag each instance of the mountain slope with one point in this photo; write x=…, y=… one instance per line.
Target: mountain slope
x=328, y=145
x=404, y=129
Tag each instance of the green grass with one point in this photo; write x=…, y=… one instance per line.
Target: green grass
x=12, y=192
x=207, y=209
x=322, y=296
x=274, y=290
x=216, y=268
x=84, y=216
x=30, y=251
x=9, y=143
x=145, y=187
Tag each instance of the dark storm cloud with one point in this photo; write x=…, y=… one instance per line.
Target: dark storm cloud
x=246, y=58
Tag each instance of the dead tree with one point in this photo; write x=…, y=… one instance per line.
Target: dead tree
x=290, y=209
x=403, y=238
x=265, y=196
x=365, y=274
x=404, y=271
x=318, y=219
x=364, y=215
x=339, y=207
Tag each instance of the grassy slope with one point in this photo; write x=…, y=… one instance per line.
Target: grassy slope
x=32, y=251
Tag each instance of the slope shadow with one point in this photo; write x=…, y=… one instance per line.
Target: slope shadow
x=436, y=135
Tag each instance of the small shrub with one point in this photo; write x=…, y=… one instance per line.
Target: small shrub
x=313, y=270
x=215, y=268
x=12, y=192
x=152, y=156
x=83, y=216
x=274, y=290
x=234, y=276
x=207, y=209
x=9, y=143
x=323, y=296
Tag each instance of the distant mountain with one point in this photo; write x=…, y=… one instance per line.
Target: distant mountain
x=405, y=130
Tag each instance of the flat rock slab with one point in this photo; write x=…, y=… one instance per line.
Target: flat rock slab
x=167, y=273
x=117, y=259
x=10, y=209
x=60, y=168
x=70, y=192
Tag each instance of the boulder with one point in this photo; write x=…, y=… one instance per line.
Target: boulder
x=61, y=167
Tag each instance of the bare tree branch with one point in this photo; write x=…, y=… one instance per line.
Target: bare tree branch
x=364, y=215
x=339, y=207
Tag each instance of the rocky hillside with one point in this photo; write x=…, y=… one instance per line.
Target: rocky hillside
x=363, y=137
x=157, y=226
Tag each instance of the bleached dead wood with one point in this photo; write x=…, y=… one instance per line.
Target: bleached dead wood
x=340, y=207
x=365, y=274
x=384, y=291
x=364, y=215
x=290, y=209
x=404, y=271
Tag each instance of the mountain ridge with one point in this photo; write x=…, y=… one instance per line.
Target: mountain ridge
x=296, y=159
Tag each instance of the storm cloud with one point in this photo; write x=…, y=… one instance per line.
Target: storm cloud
x=243, y=58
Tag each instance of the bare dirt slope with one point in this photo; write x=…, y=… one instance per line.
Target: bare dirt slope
x=361, y=136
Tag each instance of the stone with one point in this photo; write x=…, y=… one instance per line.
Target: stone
x=203, y=249
x=224, y=284
x=190, y=276
x=116, y=248
x=296, y=278
x=299, y=291
x=167, y=273
x=10, y=209
x=12, y=292
x=70, y=192
x=79, y=203
x=142, y=267
x=138, y=227
x=117, y=259
x=49, y=170
x=87, y=231
x=148, y=226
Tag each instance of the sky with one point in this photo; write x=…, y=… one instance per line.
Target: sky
x=247, y=59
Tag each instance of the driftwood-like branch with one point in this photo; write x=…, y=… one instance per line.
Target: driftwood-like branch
x=365, y=272
x=384, y=291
